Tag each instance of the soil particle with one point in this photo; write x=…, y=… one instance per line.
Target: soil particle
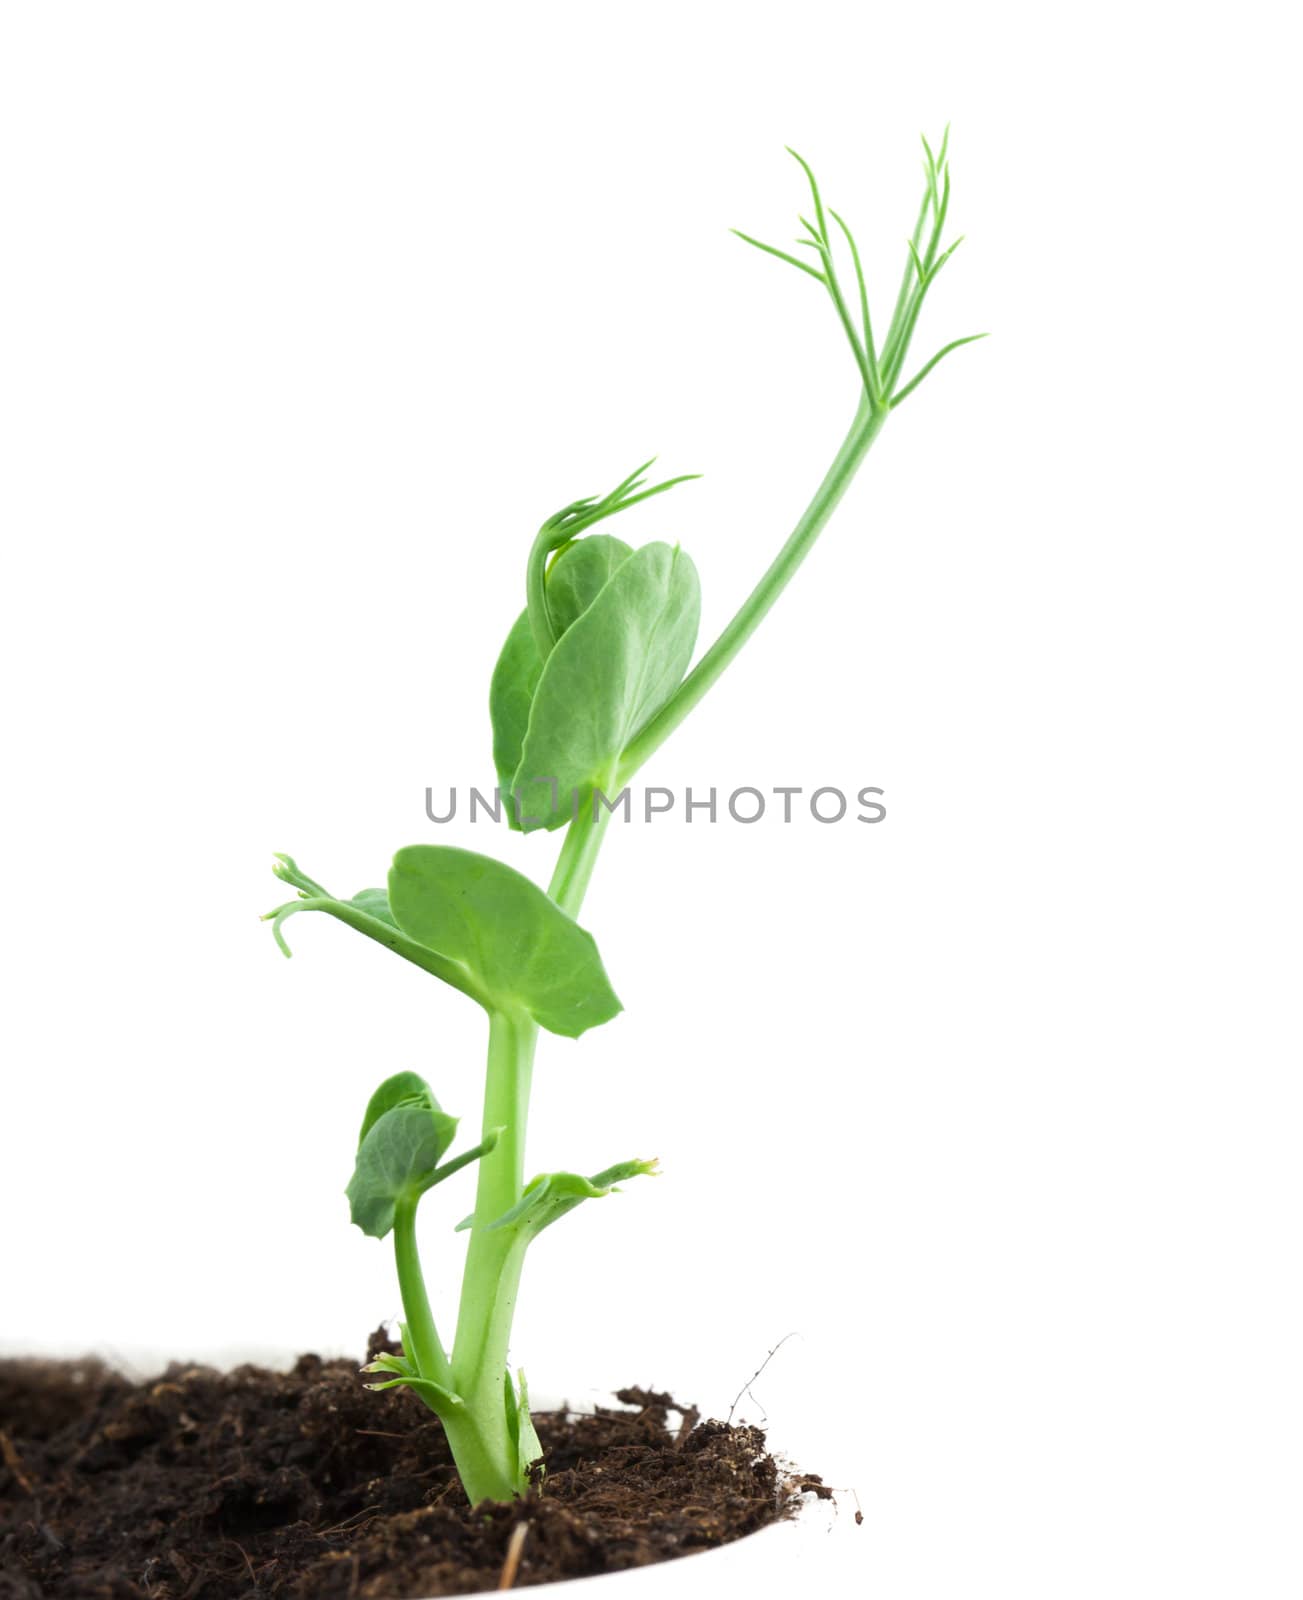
x=247, y=1485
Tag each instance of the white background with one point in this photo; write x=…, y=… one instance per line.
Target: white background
x=312, y=314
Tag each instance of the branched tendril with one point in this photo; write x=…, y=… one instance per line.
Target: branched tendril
x=579, y=515
x=880, y=370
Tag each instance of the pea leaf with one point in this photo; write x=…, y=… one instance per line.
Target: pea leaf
x=574, y=581
x=548, y=1197
x=521, y=950
x=397, y=1160
x=613, y=669
x=439, y=1399
x=478, y=925
x=403, y=1139
x=404, y=1088
x=520, y=1425
x=392, y=1365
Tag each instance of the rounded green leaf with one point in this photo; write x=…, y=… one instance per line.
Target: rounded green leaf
x=612, y=670
x=397, y=1160
x=522, y=951
x=404, y=1088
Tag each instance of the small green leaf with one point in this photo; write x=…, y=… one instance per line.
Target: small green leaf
x=397, y=1160
x=439, y=1399
x=393, y=1365
x=548, y=1197
x=529, y=1448
x=512, y=1403
x=523, y=952
x=404, y=1088
x=607, y=675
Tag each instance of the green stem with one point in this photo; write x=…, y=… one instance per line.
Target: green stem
x=864, y=430
x=484, y=1451
x=578, y=857
x=479, y=1432
x=427, y=1350
x=512, y=1038
x=493, y=1261
x=483, y=1319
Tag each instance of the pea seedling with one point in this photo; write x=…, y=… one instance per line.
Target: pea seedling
x=590, y=682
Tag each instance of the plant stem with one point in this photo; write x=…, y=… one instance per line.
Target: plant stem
x=501, y=1178
x=427, y=1349
x=512, y=1039
x=864, y=430
x=578, y=857
x=479, y=1432
x=484, y=1451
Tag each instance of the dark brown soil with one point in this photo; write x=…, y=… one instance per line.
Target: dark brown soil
x=204, y=1485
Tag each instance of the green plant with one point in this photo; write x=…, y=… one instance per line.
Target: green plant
x=592, y=679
